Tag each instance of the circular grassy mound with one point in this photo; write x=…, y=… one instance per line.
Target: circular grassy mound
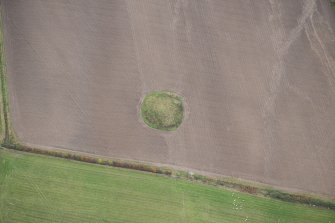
x=162, y=110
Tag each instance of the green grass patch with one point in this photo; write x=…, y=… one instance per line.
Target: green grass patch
x=7, y=135
x=36, y=188
x=4, y=126
x=162, y=110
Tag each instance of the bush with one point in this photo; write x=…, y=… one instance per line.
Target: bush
x=162, y=110
x=249, y=189
x=299, y=198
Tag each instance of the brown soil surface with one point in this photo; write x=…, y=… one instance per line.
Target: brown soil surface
x=258, y=78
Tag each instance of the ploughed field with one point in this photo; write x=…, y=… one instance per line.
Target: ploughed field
x=45, y=189
x=257, y=79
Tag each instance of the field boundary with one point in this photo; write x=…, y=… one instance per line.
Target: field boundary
x=4, y=98
x=10, y=141
x=7, y=135
x=254, y=188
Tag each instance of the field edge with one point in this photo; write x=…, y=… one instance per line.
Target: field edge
x=231, y=183
x=7, y=134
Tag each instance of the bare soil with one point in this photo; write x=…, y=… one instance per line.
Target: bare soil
x=258, y=78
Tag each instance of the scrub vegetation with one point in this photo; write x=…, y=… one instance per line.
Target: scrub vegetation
x=162, y=110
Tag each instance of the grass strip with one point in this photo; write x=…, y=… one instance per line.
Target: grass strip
x=6, y=133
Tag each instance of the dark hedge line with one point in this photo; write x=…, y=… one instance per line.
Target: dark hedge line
x=299, y=198
x=222, y=182
x=91, y=159
x=261, y=191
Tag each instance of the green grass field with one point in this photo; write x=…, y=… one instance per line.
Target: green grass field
x=35, y=188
